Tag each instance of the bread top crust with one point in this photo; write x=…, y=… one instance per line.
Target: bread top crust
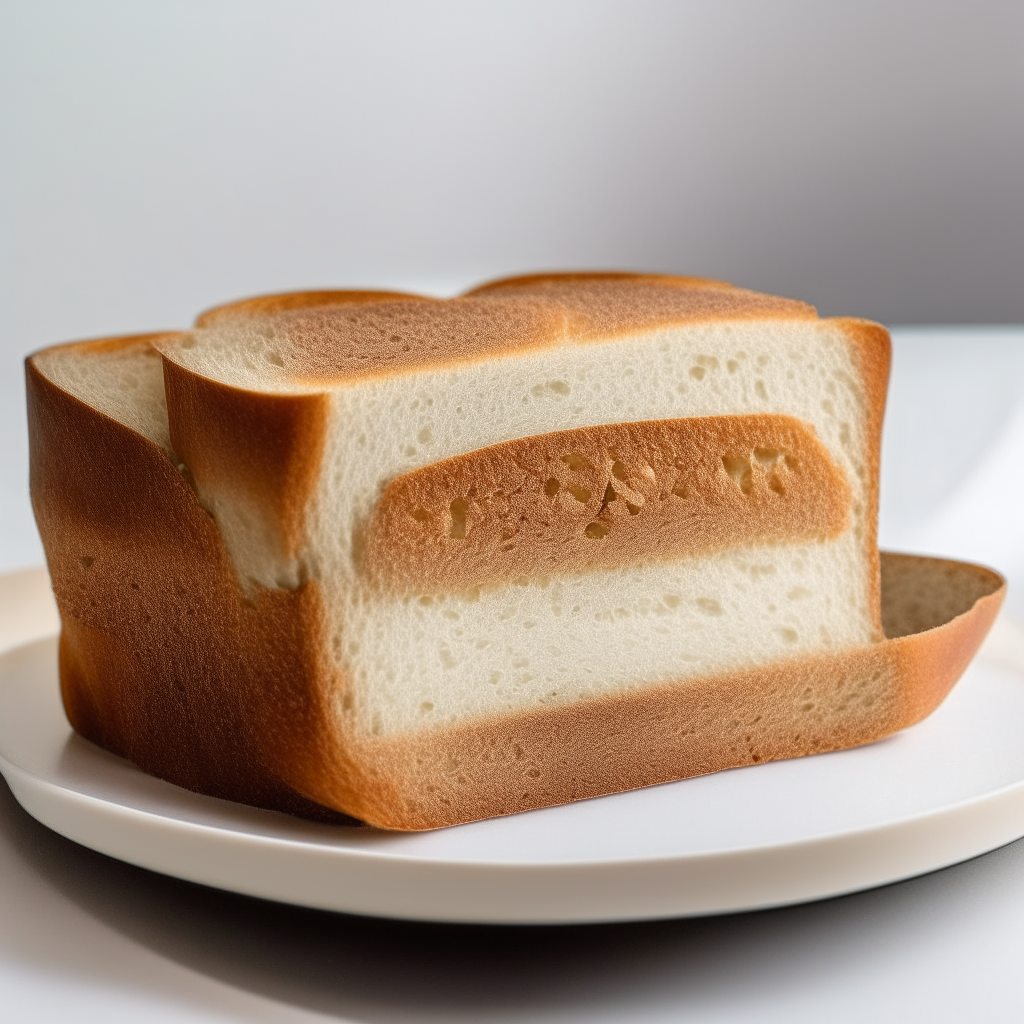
x=315, y=339
x=616, y=304
x=281, y=302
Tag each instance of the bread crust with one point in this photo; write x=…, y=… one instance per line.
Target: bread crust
x=557, y=278
x=259, y=450
x=268, y=305
x=163, y=659
x=873, y=349
x=325, y=341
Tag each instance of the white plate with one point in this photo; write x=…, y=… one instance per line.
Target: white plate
x=946, y=790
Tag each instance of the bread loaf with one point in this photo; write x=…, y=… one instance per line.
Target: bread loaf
x=424, y=561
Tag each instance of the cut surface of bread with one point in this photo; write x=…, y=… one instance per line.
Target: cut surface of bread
x=437, y=549
x=611, y=377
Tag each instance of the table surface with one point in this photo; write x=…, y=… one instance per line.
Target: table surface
x=88, y=938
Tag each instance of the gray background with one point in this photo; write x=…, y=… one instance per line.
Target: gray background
x=162, y=157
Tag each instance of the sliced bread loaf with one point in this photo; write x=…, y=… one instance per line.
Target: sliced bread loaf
x=425, y=561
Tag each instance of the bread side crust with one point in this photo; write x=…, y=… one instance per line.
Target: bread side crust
x=163, y=659
x=260, y=451
x=873, y=349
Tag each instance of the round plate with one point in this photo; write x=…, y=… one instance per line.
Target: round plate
x=946, y=790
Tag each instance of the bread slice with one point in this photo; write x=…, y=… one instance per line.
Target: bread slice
x=425, y=561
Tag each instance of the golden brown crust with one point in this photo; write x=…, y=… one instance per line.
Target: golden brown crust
x=163, y=659
x=928, y=663
x=321, y=342
x=267, y=305
x=873, y=350
x=556, y=278
x=603, y=497
x=262, y=450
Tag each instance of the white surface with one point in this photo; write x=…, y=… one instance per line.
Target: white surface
x=947, y=790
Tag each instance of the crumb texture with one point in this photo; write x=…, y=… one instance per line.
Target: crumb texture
x=922, y=593
x=122, y=378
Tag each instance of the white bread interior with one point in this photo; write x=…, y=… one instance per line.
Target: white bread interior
x=125, y=382
x=418, y=660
